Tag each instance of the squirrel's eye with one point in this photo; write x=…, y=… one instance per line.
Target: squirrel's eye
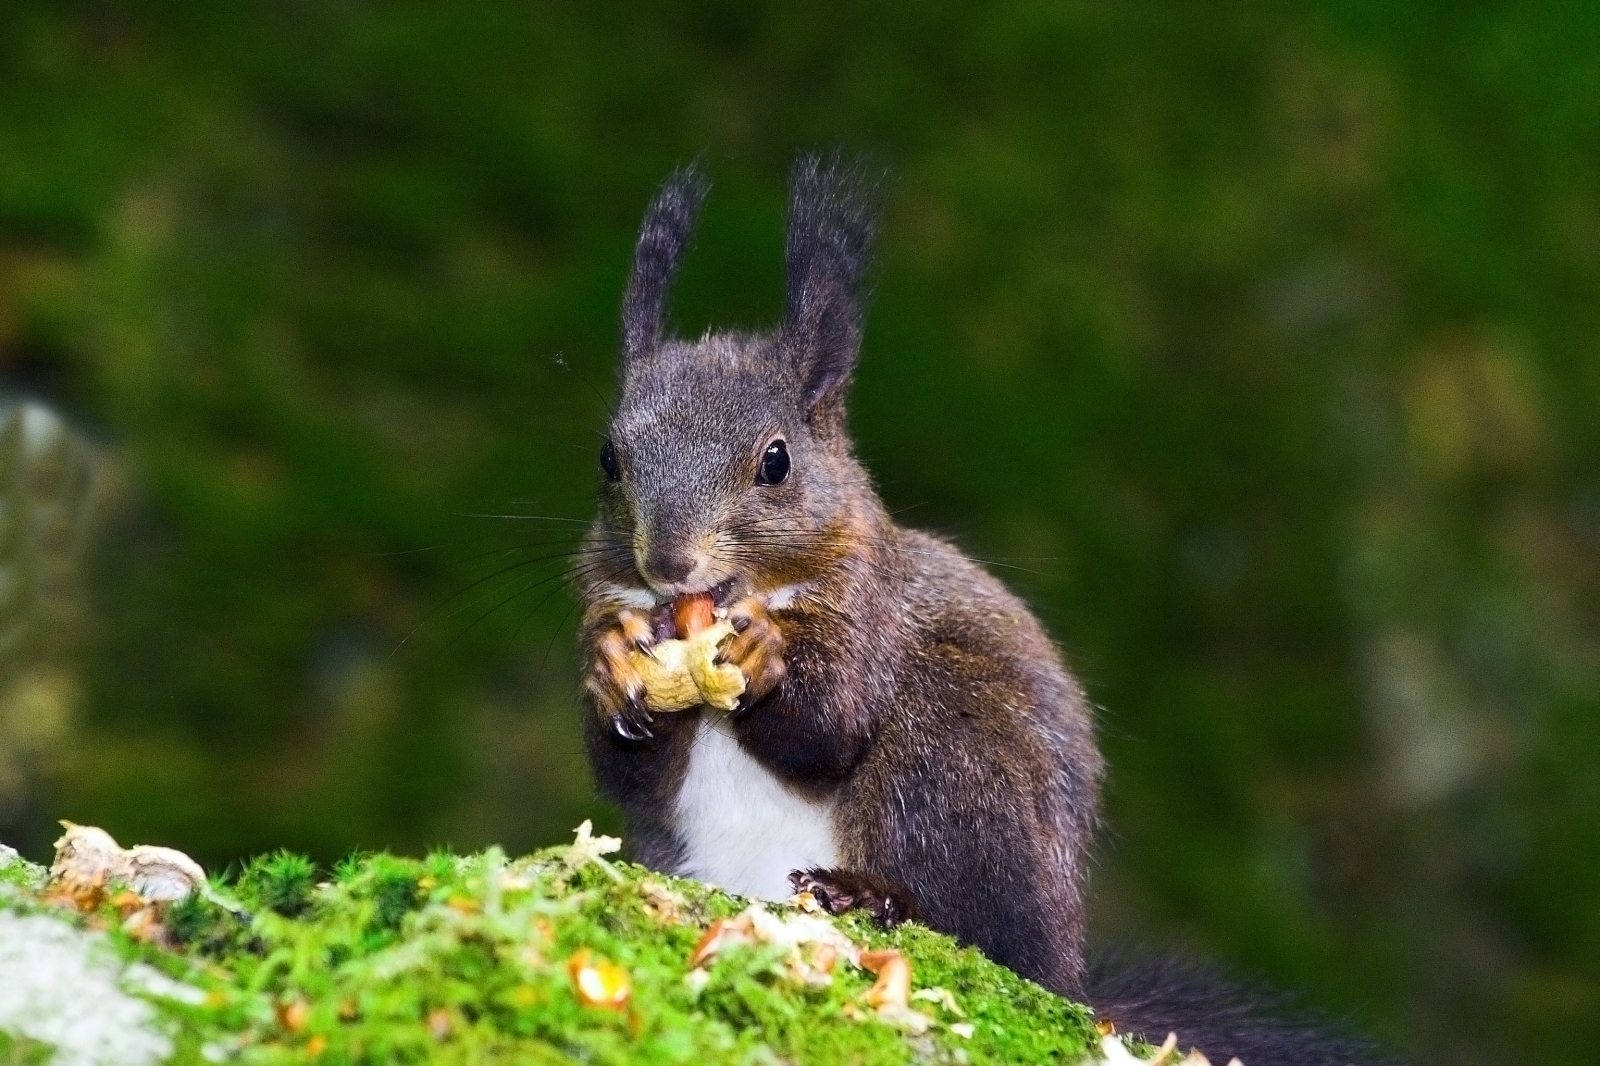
x=608, y=461
x=774, y=464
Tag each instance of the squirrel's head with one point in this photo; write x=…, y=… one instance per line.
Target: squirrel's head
x=727, y=466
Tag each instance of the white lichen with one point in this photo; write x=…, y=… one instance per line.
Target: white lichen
x=65, y=987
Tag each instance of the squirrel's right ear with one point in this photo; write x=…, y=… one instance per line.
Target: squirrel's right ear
x=662, y=238
x=833, y=220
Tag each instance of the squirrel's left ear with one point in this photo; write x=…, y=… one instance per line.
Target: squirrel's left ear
x=833, y=216
x=663, y=236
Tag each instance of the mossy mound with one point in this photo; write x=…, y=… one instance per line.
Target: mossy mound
x=466, y=959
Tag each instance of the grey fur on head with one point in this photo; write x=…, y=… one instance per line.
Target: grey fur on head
x=663, y=236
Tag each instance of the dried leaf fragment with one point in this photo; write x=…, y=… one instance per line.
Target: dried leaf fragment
x=891, y=993
x=942, y=997
x=163, y=874
x=293, y=1015
x=1115, y=1053
x=599, y=982
x=893, y=987
x=145, y=926
x=88, y=860
x=662, y=904
x=721, y=934
x=814, y=945
x=127, y=903
x=795, y=930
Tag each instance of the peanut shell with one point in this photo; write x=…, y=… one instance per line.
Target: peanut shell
x=684, y=673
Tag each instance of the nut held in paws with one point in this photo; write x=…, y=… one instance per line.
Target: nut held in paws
x=684, y=673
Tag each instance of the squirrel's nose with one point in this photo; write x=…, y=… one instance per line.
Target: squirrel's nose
x=668, y=565
x=670, y=547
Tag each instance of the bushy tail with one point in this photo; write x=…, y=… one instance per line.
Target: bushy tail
x=1221, y=1017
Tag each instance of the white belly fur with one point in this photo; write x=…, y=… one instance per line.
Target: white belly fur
x=740, y=827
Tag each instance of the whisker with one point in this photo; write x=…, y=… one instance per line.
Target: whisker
x=563, y=578
x=560, y=360
x=779, y=536
x=526, y=517
x=406, y=551
x=546, y=599
x=544, y=660
x=439, y=607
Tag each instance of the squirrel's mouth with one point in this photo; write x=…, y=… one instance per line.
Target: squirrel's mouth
x=722, y=592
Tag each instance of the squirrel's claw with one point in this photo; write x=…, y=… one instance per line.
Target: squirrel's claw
x=633, y=728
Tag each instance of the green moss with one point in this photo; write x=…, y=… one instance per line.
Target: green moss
x=16, y=874
x=281, y=882
x=463, y=960
x=20, y=1051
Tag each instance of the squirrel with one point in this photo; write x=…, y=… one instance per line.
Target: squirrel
x=908, y=740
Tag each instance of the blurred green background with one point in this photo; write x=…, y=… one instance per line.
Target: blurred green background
x=1260, y=340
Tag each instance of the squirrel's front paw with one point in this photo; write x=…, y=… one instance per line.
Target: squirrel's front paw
x=617, y=688
x=756, y=649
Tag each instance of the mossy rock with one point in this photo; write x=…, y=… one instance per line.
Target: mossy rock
x=465, y=959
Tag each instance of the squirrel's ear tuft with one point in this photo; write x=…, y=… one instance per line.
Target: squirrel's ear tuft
x=833, y=219
x=663, y=236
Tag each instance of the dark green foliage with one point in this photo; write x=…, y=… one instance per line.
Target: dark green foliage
x=192, y=919
x=394, y=891
x=280, y=882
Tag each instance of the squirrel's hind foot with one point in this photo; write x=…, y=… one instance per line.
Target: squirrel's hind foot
x=837, y=891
